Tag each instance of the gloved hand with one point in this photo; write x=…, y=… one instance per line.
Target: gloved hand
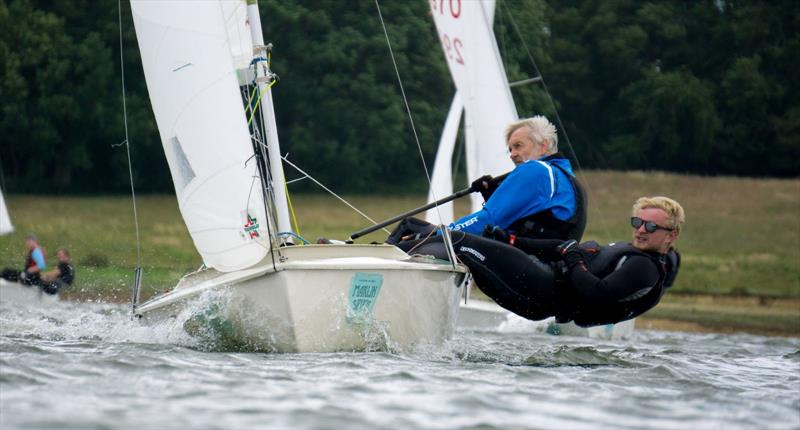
x=485, y=186
x=23, y=275
x=481, y=184
x=570, y=245
x=497, y=233
x=570, y=252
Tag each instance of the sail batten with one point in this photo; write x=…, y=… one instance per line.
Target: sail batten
x=191, y=51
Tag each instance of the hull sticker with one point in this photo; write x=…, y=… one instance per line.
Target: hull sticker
x=364, y=290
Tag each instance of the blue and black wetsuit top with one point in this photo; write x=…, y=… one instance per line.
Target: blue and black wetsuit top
x=539, y=199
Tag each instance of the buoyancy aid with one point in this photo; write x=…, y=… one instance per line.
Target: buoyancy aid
x=29, y=261
x=544, y=225
x=602, y=261
x=67, y=273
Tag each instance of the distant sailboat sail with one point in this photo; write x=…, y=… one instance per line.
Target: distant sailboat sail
x=466, y=35
x=191, y=52
x=5, y=221
x=442, y=177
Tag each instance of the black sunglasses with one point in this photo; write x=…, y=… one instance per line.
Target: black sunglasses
x=649, y=226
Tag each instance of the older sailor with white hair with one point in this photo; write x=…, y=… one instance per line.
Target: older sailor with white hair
x=540, y=198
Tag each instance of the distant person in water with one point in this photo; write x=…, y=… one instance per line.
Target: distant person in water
x=540, y=198
x=62, y=276
x=588, y=284
x=34, y=264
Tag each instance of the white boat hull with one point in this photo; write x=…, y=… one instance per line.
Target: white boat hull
x=18, y=294
x=319, y=299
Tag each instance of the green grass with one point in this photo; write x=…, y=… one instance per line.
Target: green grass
x=741, y=235
x=729, y=313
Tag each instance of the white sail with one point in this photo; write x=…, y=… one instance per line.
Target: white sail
x=190, y=52
x=466, y=36
x=442, y=177
x=5, y=221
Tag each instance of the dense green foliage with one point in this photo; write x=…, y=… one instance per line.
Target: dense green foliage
x=705, y=87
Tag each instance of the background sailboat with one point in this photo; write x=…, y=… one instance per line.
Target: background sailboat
x=484, y=97
x=13, y=292
x=222, y=148
x=482, y=94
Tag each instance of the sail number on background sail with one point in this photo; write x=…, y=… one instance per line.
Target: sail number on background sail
x=467, y=39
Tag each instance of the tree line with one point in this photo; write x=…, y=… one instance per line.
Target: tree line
x=703, y=87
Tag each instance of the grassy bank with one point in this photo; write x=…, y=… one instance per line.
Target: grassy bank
x=740, y=239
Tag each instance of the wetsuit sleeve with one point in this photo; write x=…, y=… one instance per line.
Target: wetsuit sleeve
x=637, y=273
x=38, y=258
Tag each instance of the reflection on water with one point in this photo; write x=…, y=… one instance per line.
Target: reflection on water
x=88, y=365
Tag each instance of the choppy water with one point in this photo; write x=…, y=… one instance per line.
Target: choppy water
x=70, y=365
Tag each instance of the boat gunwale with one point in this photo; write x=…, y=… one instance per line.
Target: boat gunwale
x=218, y=279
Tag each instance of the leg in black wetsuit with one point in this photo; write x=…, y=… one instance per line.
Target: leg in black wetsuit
x=515, y=280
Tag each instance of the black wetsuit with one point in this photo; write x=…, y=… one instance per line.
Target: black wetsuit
x=64, y=280
x=616, y=283
x=620, y=282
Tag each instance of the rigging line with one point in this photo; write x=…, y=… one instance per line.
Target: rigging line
x=544, y=86
x=291, y=208
x=555, y=110
x=503, y=35
x=332, y=193
x=127, y=140
x=408, y=108
x=263, y=176
x=262, y=162
x=258, y=102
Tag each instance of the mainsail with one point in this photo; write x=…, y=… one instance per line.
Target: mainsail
x=465, y=32
x=191, y=52
x=5, y=221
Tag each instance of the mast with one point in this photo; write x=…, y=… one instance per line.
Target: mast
x=263, y=78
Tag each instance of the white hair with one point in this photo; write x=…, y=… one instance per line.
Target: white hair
x=539, y=129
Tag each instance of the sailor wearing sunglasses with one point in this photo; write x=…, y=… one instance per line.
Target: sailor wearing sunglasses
x=588, y=283
x=621, y=281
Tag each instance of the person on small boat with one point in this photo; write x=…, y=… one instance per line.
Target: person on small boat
x=540, y=198
x=62, y=276
x=34, y=264
x=588, y=283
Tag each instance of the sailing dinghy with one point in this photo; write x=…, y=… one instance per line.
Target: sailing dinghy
x=13, y=292
x=208, y=76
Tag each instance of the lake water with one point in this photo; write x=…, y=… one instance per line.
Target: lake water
x=78, y=365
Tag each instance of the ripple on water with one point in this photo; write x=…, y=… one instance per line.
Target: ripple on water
x=581, y=356
x=63, y=358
